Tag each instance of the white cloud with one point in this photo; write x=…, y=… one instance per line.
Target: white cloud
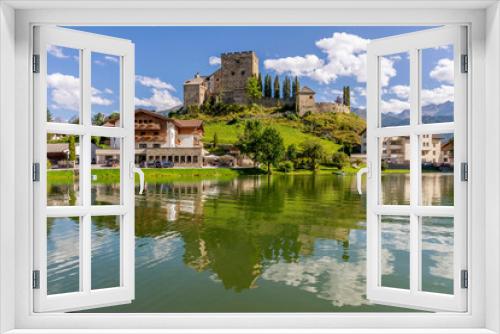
x=161, y=99
x=108, y=91
x=438, y=95
x=394, y=106
x=56, y=51
x=111, y=59
x=296, y=66
x=361, y=91
x=153, y=83
x=443, y=71
x=99, y=62
x=401, y=91
x=161, y=91
x=65, y=92
x=214, y=61
x=346, y=56
x=97, y=99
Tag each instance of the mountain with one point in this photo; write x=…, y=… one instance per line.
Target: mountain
x=433, y=113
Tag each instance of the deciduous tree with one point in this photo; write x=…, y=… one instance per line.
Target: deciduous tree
x=312, y=151
x=271, y=147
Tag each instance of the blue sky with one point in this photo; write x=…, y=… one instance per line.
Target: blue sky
x=325, y=59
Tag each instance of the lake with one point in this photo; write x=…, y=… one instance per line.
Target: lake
x=254, y=244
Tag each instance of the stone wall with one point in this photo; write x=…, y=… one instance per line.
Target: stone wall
x=194, y=94
x=236, y=69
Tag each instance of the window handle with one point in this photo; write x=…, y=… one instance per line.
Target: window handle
x=359, y=175
x=139, y=171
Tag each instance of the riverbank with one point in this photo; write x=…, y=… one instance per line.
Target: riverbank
x=158, y=175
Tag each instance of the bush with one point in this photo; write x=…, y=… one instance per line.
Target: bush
x=340, y=160
x=384, y=165
x=285, y=166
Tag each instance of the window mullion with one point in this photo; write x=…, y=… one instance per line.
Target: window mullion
x=415, y=185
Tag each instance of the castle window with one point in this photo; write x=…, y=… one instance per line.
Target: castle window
x=143, y=133
x=156, y=145
x=156, y=133
x=237, y=61
x=143, y=145
x=242, y=72
x=232, y=72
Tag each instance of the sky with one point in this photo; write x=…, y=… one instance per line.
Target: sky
x=324, y=58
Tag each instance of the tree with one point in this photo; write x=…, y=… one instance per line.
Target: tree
x=98, y=119
x=347, y=96
x=295, y=87
x=215, y=141
x=249, y=141
x=72, y=150
x=277, y=92
x=286, y=88
x=268, y=90
x=252, y=89
x=271, y=147
x=50, y=118
x=292, y=153
x=313, y=151
x=340, y=160
x=259, y=79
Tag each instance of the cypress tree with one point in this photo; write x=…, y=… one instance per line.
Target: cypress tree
x=286, y=88
x=277, y=88
x=260, y=84
x=268, y=90
x=347, y=96
x=295, y=87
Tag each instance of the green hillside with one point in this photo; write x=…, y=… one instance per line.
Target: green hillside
x=229, y=133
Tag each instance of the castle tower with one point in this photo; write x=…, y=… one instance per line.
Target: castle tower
x=195, y=90
x=236, y=69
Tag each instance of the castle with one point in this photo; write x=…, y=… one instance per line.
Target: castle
x=228, y=85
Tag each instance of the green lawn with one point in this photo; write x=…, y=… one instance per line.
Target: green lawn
x=228, y=134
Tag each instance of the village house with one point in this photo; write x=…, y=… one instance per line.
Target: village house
x=161, y=139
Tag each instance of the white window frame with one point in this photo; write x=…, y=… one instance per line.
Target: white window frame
x=413, y=43
x=86, y=43
x=16, y=20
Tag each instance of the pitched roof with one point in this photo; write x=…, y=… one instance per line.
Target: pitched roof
x=150, y=113
x=188, y=123
x=57, y=147
x=307, y=90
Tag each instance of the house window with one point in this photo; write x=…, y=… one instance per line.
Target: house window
x=156, y=145
x=142, y=145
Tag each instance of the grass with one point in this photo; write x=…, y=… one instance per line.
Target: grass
x=153, y=175
x=228, y=134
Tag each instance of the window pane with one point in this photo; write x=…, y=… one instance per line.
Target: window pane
x=63, y=255
x=395, y=251
x=395, y=89
x=63, y=170
x=395, y=165
x=106, y=160
x=437, y=169
x=63, y=84
x=437, y=80
x=106, y=95
x=437, y=254
x=105, y=252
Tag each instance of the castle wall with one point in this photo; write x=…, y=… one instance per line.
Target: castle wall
x=236, y=69
x=306, y=103
x=194, y=94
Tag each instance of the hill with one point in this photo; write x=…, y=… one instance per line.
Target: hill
x=332, y=130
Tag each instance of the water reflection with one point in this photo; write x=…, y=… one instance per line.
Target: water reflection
x=252, y=244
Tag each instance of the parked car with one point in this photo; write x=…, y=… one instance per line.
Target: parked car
x=158, y=164
x=112, y=163
x=167, y=164
x=151, y=164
